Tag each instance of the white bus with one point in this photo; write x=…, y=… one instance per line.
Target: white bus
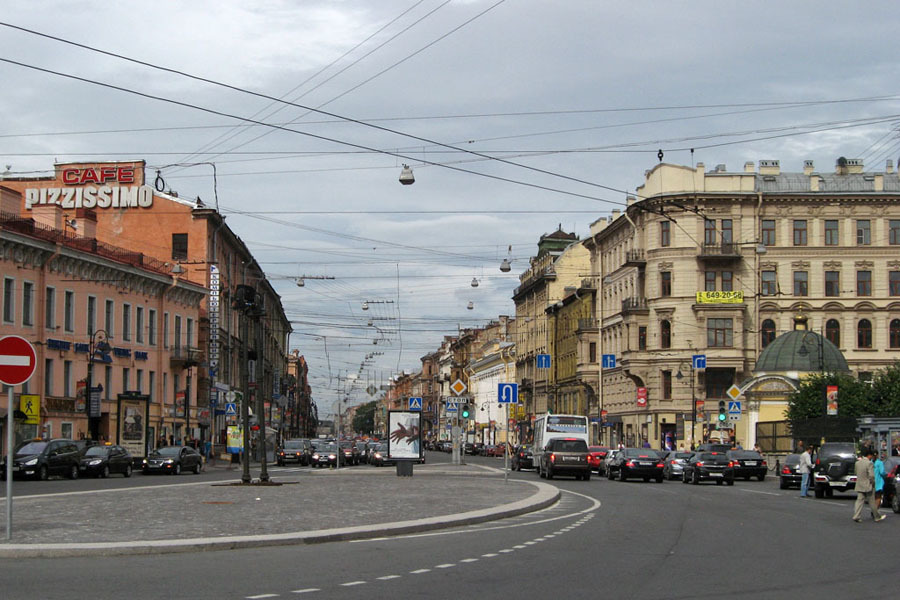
x=549, y=426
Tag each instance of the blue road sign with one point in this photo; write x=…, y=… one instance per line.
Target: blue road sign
x=452, y=406
x=230, y=409
x=609, y=361
x=699, y=361
x=734, y=407
x=415, y=404
x=508, y=393
x=543, y=361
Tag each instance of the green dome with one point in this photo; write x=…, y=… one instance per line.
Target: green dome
x=798, y=350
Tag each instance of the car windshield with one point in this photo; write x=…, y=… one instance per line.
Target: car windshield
x=746, y=455
x=32, y=448
x=326, y=448
x=169, y=451
x=714, y=457
x=570, y=446
x=294, y=445
x=792, y=459
x=97, y=451
x=639, y=453
x=837, y=450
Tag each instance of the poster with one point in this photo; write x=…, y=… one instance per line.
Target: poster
x=831, y=395
x=234, y=440
x=404, y=434
x=132, y=425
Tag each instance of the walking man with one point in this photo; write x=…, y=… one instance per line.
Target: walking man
x=805, y=469
x=865, y=487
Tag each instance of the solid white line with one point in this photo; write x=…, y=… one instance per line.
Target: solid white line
x=445, y=566
x=306, y=591
x=420, y=571
x=758, y=492
x=469, y=560
x=350, y=583
x=387, y=577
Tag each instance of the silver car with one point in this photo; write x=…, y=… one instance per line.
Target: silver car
x=674, y=464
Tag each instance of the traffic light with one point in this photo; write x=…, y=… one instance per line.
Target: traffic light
x=465, y=411
x=723, y=412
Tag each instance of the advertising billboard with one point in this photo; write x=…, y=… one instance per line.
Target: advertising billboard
x=404, y=434
x=133, y=418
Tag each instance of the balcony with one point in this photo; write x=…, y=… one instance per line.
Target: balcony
x=635, y=258
x=635, y=306
x=587, y=324
x=724, y=252
x=185, y=356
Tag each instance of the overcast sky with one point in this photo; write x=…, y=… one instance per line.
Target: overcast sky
x=575, y=90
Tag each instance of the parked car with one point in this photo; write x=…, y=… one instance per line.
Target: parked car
x=522, y=457
x=748, y=463
x=565, y=456
x=790, y=474
x=102, y=461
x=673, y=464
x=469, y=448
x=173, y=460
x=478, y=448
x=604, y=465
x=636, y=462
x=709, y=466
x=43, y=458
x=493, y=450
x=889, y=496
x=296, y=451
x=324, y=455
x=380, y=456
x=713, y=447
x=596, y=454
x=445, y=446
x=835, y=469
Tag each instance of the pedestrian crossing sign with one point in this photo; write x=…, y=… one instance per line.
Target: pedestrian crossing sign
x=415, y=403
x=30, y=404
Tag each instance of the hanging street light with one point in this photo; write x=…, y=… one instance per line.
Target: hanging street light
x=505, y=266
x=406, y=176
x=471, y=305
x=474, y=282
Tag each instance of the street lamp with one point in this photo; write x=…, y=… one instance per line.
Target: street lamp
x=679, y=376
x=100, y=346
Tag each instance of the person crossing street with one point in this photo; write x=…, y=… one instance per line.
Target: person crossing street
x=865, y=487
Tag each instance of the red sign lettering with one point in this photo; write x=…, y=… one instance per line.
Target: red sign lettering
x=101, y=175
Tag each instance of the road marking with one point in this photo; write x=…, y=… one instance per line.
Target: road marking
x=489, y=555
x=507, y=550
x=519, y=547
x=550, y=535
x=445, y=566
x=420, y=571
x=306, y=591
x=261, y=596
x=387, y=577
x=759, y=492
x=469, y=560
x=530, y=543
x=351, y=583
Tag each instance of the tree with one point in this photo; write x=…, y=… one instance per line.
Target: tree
x=364, y=421
x=808, y=402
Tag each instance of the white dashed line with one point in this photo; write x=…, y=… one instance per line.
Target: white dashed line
x=420, y=571
x=469, y=560
x=507, y=550
x=306, y=591
x=489, y=555
x=352, y=583
x=387, y=577
x=530, y=543
x=261, y=596
x=519, y=547
x=445, y=566
x=550, y=535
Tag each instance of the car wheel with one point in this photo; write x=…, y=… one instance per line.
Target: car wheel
x=128, y=470
x=105, y=472
x=549, y=472
x=746, y=478
x=718, y=482
x=895, y=503
x=696, y=479
x=820, y=491
x=783, y=485
x=829, y=493
x=684, y=478
x=730, y=481
x=762, y=477
x=587, y=476
x=609, y=474
x=177, y=469
x=43, y=473
x=659, y=479
x=622, y=476
x=279, y=463
x=197, y=468
x=646, y=479
x=73, y=472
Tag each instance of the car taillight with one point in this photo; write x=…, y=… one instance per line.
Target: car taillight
x=552, y=458
x=786, y=471
x=673, y=462
x=764, y=463
x=818, y=462
x=730, y=463
x=659, y=465
x=699, y=464
x=630, y=463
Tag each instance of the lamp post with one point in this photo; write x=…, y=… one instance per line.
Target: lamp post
x=98, y=345
x=680, y=376
x=820, y=349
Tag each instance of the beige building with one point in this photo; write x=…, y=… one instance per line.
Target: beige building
x=717, y=263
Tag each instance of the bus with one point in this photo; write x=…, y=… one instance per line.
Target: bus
x=550, y=426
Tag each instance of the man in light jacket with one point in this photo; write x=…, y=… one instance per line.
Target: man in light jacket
x=805, y=469
x=865, y=487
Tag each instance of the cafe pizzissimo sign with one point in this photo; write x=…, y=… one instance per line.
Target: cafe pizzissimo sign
x=93, y=187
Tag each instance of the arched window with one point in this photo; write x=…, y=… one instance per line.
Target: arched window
x=833, y=332
x=768, y=332
x=895, y=333
x=864, y=334
x=665, y=334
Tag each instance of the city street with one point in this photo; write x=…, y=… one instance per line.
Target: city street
x=621, y=540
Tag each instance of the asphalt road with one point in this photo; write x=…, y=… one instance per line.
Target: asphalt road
x=603, y=539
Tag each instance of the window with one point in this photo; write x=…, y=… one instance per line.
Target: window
x=151, y=327
x=710, y=281
x=863, y=232
x=894, y=333
x=665, y=283
x=864, y=283
x=139, y=325
x=667, y=385
x=592, y=352
x=67, y=378
x=165, y=386
x=833, y=332
x=107, y=386
x=27, y=303
x=179, y=246
x=109, y=317
x=50, y=309
x=709, y=232
x=91, y=314
x=727, y=281
x=165, y=330
x=719, y=333
x=832, y=233
x=832, y=283
x=126, y=375
x=864, y=334
x=69, y=311
x=894, y=283
x=727, y=229
x=801, y=283
x=9, y=300
x=894, y=232
x=665, y=233
x=665, y=334
x=767, y=332
x=48, y=376
x=126, y=322
x=799, y=232
x=769, y=285
x=151, y=383
x=767, y=232
x=65, y=430
x=642, y=338
x=139, y=384
x=189, y=333
x=177, y=332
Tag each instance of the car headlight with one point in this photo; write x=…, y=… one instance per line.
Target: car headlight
x=169, y=461
x=31, y=462
x=94, y=463
x=332, y=456
x=316, y=456
x=144, y=462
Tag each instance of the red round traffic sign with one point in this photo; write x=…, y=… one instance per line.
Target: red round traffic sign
x=17, y=360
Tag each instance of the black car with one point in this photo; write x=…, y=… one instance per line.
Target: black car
x=709, y=466
x=173, y=460
x=380, y=456
x=889, y=496
x=298, y=451
x=790, y=474
x=324, y=455
x=102, y=461
x=41, y=459
x=565, y=456
x=469, y=448
x=636, y=462
x=674, y=462
x=835, y=468
x=748, y=463
x=522, y=458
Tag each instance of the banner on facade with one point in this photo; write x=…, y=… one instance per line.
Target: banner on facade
x=720, y=297
x=831, y=394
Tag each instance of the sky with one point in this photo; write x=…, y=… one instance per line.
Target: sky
x=516, y=116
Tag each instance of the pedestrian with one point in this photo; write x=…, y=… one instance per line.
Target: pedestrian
x=756, y=448
x=865, y=487
x=800, y=448
x=805, y=469
x=879, y=478
x=681, y=447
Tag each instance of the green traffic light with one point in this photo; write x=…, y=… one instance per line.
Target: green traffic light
x=721, y=416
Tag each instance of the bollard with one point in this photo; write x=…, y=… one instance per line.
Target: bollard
x=404, y=468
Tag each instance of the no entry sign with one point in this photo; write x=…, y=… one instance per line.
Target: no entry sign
x=17, y=360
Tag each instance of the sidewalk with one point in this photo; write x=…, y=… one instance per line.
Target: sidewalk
x=313, y=505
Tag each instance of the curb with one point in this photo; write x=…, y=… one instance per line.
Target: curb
x=545, y=496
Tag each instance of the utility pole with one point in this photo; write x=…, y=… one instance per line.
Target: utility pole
x=260, y=384
x=245, y=400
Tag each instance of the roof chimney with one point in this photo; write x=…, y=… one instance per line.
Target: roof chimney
x=808, y=167
x=770, y=167
x=889, y=166
x=749, y=167
x=629, y=200
x=615, y=214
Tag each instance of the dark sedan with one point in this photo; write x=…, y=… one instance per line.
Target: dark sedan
x=324, y=455
x=636, y=462
x=380, y=456
x=297, y=451
x=789, y=475
x=102, y=461
x=522, y=458
x=709, y=466
x=748, y=463
x=173, y=460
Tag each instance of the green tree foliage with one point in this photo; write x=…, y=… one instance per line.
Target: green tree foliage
x=364, y=421
x=881, y=398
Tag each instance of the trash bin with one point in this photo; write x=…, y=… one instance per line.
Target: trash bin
x=404, y=468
